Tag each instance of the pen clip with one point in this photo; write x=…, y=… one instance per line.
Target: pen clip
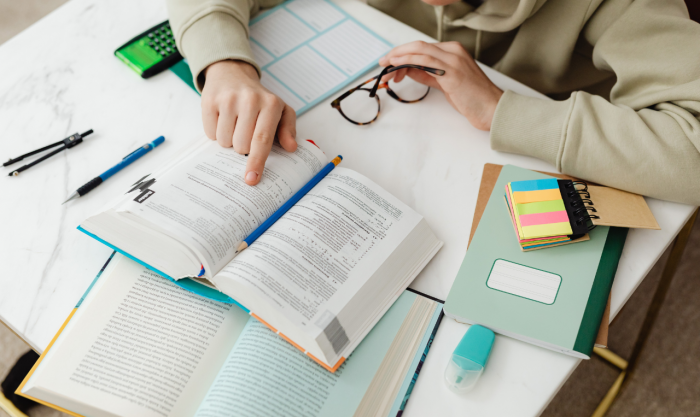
x=146, y=146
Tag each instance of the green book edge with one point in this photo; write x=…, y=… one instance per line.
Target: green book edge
x=602, y=284
x=182, y=70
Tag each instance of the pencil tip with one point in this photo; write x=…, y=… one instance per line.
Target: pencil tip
x=72, y=196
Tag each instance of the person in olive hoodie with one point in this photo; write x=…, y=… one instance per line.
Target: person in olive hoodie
x=624, y=76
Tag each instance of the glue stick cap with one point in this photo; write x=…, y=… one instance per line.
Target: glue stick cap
x=469, y=359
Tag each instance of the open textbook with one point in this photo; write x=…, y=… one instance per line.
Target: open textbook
x=321, y=276
x=138, y=345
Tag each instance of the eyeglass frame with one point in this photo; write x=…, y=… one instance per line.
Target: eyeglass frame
x=379, y=85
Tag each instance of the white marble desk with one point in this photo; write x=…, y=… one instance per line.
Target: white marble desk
x=60, y=76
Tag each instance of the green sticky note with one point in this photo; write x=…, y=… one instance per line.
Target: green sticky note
x=540, y=207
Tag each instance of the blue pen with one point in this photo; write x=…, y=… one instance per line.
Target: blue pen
x=289, y=203
x=138, y=153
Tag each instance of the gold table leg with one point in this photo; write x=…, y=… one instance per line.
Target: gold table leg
x=628, y=367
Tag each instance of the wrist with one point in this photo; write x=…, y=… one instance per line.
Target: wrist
x=238, y=69
x=490, y=105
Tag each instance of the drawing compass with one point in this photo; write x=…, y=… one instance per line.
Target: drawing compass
x=67, y=143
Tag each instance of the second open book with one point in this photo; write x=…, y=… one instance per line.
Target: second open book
x=321, y=276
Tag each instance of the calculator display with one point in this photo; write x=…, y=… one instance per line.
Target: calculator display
x=150, y=52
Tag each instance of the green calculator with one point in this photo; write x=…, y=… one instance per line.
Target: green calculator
x=151, y=52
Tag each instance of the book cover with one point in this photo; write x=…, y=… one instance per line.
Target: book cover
x=554, y=298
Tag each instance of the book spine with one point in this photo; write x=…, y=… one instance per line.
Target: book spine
x=92, y=284
x=422, y=361
x=598, y=298
x=20, y=388
x=188, y=284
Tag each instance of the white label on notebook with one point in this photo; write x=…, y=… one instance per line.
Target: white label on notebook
x=523, y=281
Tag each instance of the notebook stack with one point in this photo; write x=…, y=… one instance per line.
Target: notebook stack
x=554, y=298
x=540, y=215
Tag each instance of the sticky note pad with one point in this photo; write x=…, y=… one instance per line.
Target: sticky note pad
x=538, y=211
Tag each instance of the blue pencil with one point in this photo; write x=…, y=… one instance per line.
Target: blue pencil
x=289, y=204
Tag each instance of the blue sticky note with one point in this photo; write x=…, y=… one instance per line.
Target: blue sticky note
x=534, y=185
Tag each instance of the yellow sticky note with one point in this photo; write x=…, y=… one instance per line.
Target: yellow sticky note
x=543, y=230
x=522, y=197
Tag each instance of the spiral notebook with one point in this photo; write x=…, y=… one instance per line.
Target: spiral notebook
x=549, y=212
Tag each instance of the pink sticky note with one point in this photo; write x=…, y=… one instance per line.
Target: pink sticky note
x=543, y=218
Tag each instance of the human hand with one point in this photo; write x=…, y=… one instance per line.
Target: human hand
x=465, y=85
x=238, y=111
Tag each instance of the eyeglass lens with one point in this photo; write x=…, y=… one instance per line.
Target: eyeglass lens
x=408, y=89
x=361, y=108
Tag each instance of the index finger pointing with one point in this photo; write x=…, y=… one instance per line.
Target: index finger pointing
x=263, y=137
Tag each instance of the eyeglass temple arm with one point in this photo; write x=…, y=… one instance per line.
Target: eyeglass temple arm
x=392, y=68
x=336, y=102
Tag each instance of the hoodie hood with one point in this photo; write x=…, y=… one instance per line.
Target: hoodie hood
x=497, y=15
x=491, y=16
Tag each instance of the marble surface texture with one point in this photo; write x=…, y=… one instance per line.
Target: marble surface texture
x=60, y=76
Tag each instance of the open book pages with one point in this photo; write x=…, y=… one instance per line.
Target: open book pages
x=321, y=276
x=139, y=345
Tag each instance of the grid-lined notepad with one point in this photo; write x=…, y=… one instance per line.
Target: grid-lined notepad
x=310, y=49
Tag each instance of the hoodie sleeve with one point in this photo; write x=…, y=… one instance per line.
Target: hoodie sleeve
x=646, y=139
x=208, y=31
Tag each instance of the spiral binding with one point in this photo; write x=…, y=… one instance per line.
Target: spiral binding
x=584, y=210
x=584, y=219
x=580, y=193
x=575, y=183
x=586, y=201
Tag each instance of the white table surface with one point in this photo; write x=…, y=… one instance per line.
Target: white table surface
x=60, y=76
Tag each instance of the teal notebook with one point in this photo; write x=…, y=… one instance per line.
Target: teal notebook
x=553, y=298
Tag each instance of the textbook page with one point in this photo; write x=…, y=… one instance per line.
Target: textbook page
x=312, y=261
x=266, y=376
x=138, y=345
x=204, y=202
x=310, y=49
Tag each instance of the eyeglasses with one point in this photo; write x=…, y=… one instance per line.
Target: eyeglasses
x=355, y=107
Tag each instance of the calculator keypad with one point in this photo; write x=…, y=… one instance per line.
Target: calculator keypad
x=162, y=40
